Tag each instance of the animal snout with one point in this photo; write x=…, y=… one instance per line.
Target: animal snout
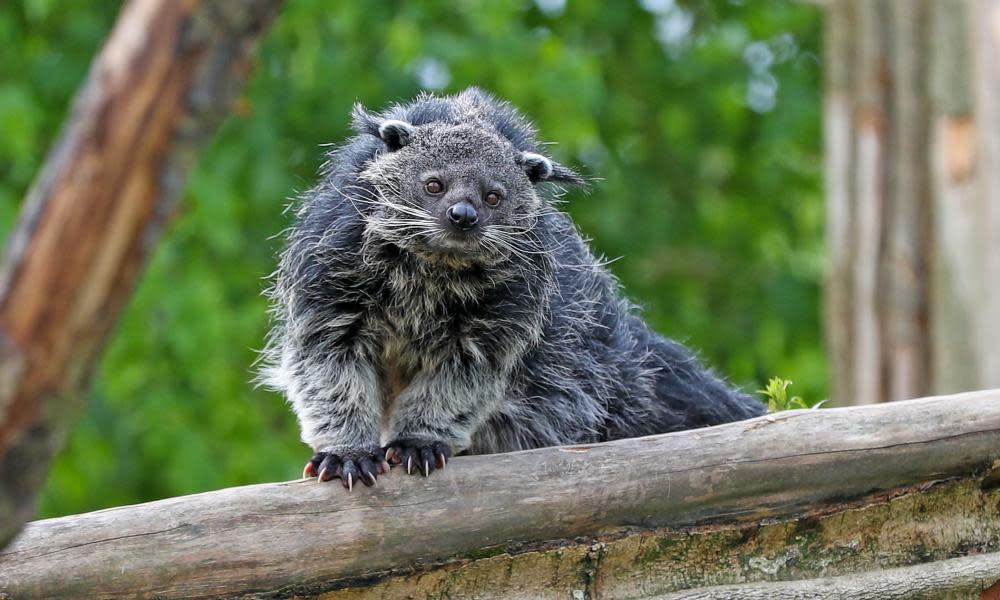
x=463, y=215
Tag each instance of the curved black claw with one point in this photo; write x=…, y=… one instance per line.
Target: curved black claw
x=350, y=466
x=418, y=455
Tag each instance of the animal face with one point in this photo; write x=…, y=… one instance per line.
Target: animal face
x=458, y=192
x=451, y=191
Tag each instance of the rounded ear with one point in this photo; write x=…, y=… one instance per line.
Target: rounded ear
x=395, y=134
x=536, y=166
x=541, y=168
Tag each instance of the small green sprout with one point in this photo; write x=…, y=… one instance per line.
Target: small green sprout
x=776, y=392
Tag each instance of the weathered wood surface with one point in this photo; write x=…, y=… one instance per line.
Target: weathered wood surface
x=958, y=577
x=160, y=85
x=311, y=538
x=927, y=523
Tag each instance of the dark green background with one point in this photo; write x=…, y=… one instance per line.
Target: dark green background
x=700, y=118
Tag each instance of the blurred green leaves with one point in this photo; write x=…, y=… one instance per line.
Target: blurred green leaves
x=698, y=120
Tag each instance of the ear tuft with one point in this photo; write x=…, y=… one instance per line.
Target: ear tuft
x=395, y=134
x=362, y=122
x=566, y=175
x=541, y=168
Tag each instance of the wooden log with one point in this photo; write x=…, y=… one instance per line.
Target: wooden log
x=968, y=576
x=308, y=539
x=882, y=533
x=161, y=84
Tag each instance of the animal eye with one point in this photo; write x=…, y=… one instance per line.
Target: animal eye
x=434, y=186
x=493, y=198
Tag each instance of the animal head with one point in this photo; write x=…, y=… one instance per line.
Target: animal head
x=453, y=182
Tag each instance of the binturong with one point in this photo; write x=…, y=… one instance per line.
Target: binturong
x=432, y=301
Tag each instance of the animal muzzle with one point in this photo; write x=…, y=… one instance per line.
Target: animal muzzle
x=463, y=215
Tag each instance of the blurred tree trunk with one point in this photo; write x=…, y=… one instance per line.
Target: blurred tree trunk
x=161, y=84
x=913, y=186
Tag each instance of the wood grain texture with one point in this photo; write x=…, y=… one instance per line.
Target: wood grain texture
x=925, y=523
x=306, y=537
x=964, y=577
x=160, y=85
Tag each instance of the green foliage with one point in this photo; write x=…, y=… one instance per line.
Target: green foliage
x=699, y=119
x=776, y=392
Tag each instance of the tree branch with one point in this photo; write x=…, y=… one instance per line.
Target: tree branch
x=159, y=87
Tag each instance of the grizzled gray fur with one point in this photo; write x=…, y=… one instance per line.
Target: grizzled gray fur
x=431, y=300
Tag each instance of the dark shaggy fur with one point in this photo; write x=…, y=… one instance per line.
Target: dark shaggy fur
x=402, y=336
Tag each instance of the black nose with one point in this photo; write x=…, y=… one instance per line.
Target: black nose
x=463, y=215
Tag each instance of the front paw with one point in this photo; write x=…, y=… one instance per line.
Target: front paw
x=349, y=465
x=418, y=454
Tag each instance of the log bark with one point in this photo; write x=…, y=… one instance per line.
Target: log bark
x=967, y=576
x=161, y=84
x=617, y=511
x=913, y=184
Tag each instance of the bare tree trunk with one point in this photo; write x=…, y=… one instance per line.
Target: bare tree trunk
x=839, y=136
x=985, y=306
x=160, y=85
x=913, y=181
x=955, y=261
x=907, y=242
